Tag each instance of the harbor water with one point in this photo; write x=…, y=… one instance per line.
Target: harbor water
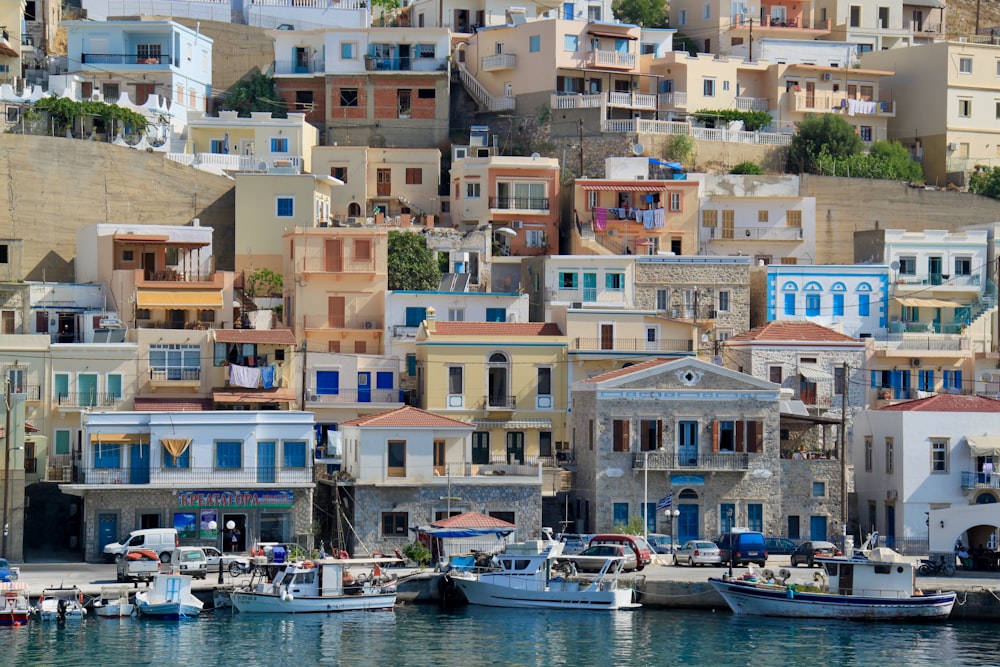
x=424, y=635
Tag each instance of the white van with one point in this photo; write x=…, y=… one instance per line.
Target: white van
x=161, y=540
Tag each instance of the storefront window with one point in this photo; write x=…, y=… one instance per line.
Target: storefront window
x=275, y=527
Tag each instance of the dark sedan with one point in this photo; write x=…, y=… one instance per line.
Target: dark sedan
x=808, y=551
x=780, y=546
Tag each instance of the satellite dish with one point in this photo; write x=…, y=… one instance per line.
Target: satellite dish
x=894, y=266
x=986, y=377
x=638, y=149
x=535, y=156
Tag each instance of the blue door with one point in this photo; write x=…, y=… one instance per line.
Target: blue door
x=687, y=443
x=890, y=526
x=415, y=316
x=365, y=387
x=265, y=462
x=650, y=514
x=590, y=287
x=687, y=523
x=817, y=528
x=107, y=530
x=138, y=464
x=569, y=9
x=620, y=511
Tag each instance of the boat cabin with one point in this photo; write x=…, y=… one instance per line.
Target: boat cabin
x=869, y=577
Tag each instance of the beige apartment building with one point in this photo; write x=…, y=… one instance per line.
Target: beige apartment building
x=949, y=103
x=257, y=143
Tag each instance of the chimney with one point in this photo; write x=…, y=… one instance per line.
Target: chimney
x=431, y=321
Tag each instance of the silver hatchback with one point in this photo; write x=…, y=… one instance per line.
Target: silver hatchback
x=698, y=552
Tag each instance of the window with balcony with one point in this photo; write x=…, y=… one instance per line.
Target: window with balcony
x=148, y=53
x=113, y=383
x=793, y=218
x=63, y=438
x=620, y=435
x=709, y=218
x=60, y=387
x=925, y=380
x=939, y=455
x=175, y=362
x=812, y=305
x=614, y=281
x=963, y=266
x=396, y=458
x=395, y=524
x=521, y=195
x=293, y=454
x=348, y=97
x=284, y=207
x=180, y=462
x=965, y=65
x=228, y=455
x=498, y=380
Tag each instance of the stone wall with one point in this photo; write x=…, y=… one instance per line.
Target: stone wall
x=799, y=498
x=709, y=278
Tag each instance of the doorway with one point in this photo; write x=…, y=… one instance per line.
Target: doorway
x=235, y=537
x=687, y=523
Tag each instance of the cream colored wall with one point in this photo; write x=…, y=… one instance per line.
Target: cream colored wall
x=148, y=337
x=355, y=159
x=463, y=208
x=533, y=72
x=258, y=228
x=399, y=160
x=695, y=25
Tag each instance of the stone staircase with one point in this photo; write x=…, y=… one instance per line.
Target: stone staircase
x=479, y=93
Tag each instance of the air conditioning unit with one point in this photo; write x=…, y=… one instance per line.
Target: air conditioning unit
x=576, y=304
x=827, y=76
x=891, y=494
x=953, y=146
x=369, y=325
x=96, y=96
x=915, y=362
x=517, y=224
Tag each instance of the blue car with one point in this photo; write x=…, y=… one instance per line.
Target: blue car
x=4, y=570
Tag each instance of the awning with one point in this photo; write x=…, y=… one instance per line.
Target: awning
x=984, y=445
x=512, y=423
x=283, y=395
x=179, y=299
x=935, y=4
x=917, y=302
x=814, y=373
x=118, y=438
x=611, y=35
x=639, y=187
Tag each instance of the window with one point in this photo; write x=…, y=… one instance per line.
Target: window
x=908, y=266
x=675, y=201
x=348, y=50
x=395, y=524
x=996, y=109
x=456, y=314
x=396, y=458
x=661, y=299
x=869, y=447
x=963, y=266
x=812, y=305
x=864, y=307
x=939, y=455
x=148, y=52
x=865, y=132
x=775, y=374
x=965, y=107
x=414, y=176
x=534, y=43
x=545, y=381
x=708, y=87
x=62, y=442
x=472, y=190
x=340, y=173
x=426, y=94
x=709, y=218
x=855, y=18
x=284, y=207
x=620, y=435
x=127, y=255
x=838, y=305
x=228, y=454
x=171, y=462
x=403, y=103
x=819, y=489
x=279, y=144
x=294, y=454
x=793, y=218
x=839, y=380
x=113, y=383
x=304, y=100
x=454, y=380
x=683, y=17
x=614, y=281
x=723, y=297
x=592, y=200
x=175, y=362
x=965, y=65
x=925, y=380
x=534, y=238
x=568, y=280
x=496, y=314
x=570, y=42
x=889, y=447
x=706, y=11
x=952, y=381
x=762, y=215
x=348, y=97
x=107, y=455
x=789, y=304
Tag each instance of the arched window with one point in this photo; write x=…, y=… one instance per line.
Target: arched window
x=986, y=499
x=498, y=382
x=790, y=286
x=838, y=287
x=812, y=286
x=688, y=494
x=354, y=209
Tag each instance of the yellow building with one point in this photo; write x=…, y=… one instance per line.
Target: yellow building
x=334, y=288
x=246, y=144
x=508, y=378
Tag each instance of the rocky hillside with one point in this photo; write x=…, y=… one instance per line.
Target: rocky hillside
x=961, y=16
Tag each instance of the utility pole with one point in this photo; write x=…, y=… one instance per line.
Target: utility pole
x=6, y=468
x=977, y=16
x=750, y=59
x=580, y=123
x=843, y=456
x=305, y=353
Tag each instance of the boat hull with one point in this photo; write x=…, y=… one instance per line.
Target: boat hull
x=249, y=602
x=168, y=610
x=17, y=617
x=494, y=595
x=114, y=610
x=749, y=598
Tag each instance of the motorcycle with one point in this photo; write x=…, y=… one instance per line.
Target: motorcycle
x=936, y=565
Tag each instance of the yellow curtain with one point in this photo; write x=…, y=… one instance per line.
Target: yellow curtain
x=175, y=446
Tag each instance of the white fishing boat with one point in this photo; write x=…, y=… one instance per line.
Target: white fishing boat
x=876, y=585
x=526, y=575
x=318, y=587
x=170, y=597
x=113, y=602
x=15, y=607
x=61, y=604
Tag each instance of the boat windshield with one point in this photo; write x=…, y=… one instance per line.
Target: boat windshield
x=304, y=578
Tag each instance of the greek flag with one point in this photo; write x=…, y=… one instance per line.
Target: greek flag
x=665, y=502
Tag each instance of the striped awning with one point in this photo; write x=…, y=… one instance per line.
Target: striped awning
x=814, y=373
x=637, y=187
x=917, y=302
x=512, y=423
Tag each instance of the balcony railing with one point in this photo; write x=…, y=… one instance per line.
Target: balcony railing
x=403, y=331
x=633, y=100
x=755, y=233
x=921, y=281
x=313, y=66
x=643, y=126
x=632, y=345
x=32, y=392
x=914, y=343
x=611, y=59
x=980, y=480
x=175, y=374
x=345, y=265
x=405, y=64
x=389, y=396
x=679, y=99
x=124, y=59
x=499, y=402
x=837, y=103
x=210, y=477
x=752, y=103
x=575, y=101
x=712, y=461
x=257, y=164
x=499, y=61
x=519, y=203
x=87, y=399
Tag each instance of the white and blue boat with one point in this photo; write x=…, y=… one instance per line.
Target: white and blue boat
x=170, y=597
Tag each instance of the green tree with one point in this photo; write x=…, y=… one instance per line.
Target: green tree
x=256, y=93
x=986, y=182
x=647, y=13
x=896, y=161
x=746, y=168
x=634, y=526
x=264, y=282
x=411, y=264
x=827, y=133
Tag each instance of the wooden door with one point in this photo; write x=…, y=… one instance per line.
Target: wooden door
x=335, y=312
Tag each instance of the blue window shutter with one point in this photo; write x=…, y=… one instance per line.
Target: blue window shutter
x=415, y=315
x=383, y=380
x=328, y=382
x=947, y=379
x=496, y=315
x=411, y=365
x=958, y=380
x=874, y=379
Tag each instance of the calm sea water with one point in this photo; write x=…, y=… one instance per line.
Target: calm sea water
x=423, y=636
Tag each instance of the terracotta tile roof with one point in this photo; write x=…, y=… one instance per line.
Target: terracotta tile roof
x=947, y=403
x=793, y=331
x=264, y=336
x=407, y=416
x=472, y=520
x=172, y=404
x=630, y=369
x=497, y=329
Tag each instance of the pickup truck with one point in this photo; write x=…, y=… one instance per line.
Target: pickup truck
x=138, y=565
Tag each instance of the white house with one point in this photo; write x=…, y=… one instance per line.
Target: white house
x=848, y=298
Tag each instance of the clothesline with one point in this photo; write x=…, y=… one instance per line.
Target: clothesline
x=252, y=377
x=651, y=218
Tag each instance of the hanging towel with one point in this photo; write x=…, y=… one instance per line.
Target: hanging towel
x=647, y=219
x=244, y=376
x=600, y=219
x=267, y=376
x=659, y=218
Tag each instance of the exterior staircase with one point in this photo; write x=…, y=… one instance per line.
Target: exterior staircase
x=482, y=96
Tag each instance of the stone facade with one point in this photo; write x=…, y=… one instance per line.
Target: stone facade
x=810, y=499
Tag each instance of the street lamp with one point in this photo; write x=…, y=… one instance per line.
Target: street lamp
x=732, y=551
x=671, y=515
x=212, y=527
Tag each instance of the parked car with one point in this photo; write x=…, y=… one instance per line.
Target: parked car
x=634, y=543
x=161, y=540
x=592, y=558
x=213, y=555
x=574, y=543
x=698, y=552
x=190, y=561
x=747, y=547
x=807, y=552
x=661, y=544
x=7, y=573
x=780, y=546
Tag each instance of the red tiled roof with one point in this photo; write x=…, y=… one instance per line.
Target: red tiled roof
x=472, y=520
x=407, y=416
x=793, y=331
x=630, y=369
x=497, y=329
x=947, y=403
x=172, y=404
x=264, y=336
